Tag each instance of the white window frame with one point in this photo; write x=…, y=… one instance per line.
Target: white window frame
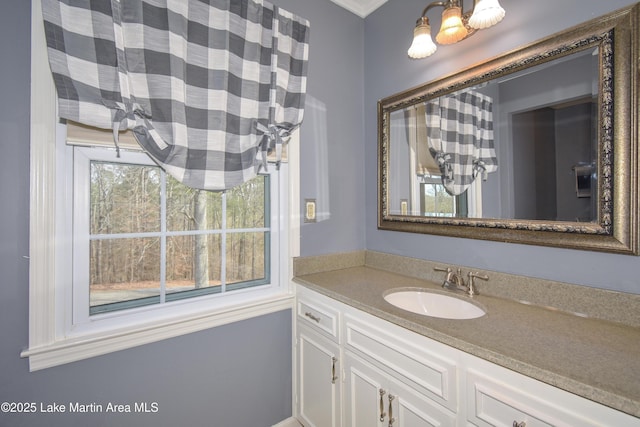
x=78, y=320
x=52, y=339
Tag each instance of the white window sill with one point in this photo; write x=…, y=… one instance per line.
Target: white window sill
x=70, y=350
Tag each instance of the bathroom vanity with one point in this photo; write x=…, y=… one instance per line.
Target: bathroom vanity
x=361, y=361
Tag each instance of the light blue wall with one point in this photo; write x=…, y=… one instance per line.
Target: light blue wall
x=388, y=33
x=332, y=145
x=237, y=375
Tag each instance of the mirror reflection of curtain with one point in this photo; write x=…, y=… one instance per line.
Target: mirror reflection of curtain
x=460, y=136
x=417, y=135
x=420, y=159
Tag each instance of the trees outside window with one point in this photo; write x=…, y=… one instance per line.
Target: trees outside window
x=153, y=240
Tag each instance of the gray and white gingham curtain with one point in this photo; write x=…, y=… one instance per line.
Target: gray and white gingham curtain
x=415, y=122
x=207, y=86
x=460, y=135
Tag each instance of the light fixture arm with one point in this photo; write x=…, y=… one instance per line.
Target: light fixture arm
x=448, y=3
x=432, y=5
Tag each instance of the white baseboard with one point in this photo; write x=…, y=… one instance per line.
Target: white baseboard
x=289, y=422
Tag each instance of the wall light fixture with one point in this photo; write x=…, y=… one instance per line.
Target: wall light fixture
x=456, y=24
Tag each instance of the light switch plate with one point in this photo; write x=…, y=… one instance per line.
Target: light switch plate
x=404, y=207
x=309, y=210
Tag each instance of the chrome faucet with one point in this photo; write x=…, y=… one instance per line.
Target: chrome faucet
x=455, y=281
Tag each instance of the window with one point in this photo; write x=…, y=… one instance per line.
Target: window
x=87, y=203
x=139, y=257
x=436, y=201
x=142, y=241
x=141, y=238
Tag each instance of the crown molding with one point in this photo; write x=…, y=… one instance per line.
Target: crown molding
x=362, y=8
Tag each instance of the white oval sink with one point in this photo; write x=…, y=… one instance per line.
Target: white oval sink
x=433, y=304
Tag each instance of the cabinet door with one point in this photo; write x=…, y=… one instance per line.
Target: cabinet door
x=409, y=408
x=365, y=394
x=318, y=380
x=377, y=399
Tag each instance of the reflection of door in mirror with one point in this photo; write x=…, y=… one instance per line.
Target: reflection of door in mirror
x=559, y=139
x=552, y=119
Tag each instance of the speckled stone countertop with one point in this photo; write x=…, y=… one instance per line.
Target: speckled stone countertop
x=593, y=358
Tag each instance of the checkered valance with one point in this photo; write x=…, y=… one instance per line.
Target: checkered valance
x=460, y=136
x=207, y=86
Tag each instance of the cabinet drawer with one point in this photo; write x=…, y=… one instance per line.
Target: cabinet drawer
x=506, y=399
x=318, y=316
x=416, y=360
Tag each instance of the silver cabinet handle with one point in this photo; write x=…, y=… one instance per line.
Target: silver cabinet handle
x=312, y=317
x=391, y=419
x=382, y=413
x=519, y=424
x=333, y=370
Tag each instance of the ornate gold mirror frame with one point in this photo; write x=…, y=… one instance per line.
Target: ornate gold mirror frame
x=616, y=36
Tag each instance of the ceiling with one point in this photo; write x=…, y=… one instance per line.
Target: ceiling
x=360, y=7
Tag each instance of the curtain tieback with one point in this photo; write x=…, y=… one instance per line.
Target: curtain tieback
x=443, y=159
x=125, y=116
x=479, y=166
x=275, y=135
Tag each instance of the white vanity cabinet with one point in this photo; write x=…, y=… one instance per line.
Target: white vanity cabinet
x=318, y=363
x=350, y=370
x=357, y=370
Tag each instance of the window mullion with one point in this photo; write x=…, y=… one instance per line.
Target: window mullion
x=223, y=245
x=163, y=237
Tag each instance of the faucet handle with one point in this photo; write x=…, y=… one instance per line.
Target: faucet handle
x=472, y=286
x=447, y=278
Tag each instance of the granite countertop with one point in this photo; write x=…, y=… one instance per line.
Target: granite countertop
x=595, y=359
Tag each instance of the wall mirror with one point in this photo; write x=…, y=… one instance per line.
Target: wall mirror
x=538, y=146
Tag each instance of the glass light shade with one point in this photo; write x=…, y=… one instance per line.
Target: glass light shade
x=452, y=29
x=422, y=45
x=485, y=14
